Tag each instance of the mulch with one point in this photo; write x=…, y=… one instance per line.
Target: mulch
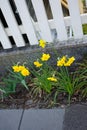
x=23, y=99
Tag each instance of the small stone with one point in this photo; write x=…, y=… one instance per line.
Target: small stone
x=29, y=102
x=62, y=106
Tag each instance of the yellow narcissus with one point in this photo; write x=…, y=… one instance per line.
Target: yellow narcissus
x=70, y=61
x=45, y=57
x=37, y=64
x=15, y=68
x=64, y=61
x=61, y=61
x=25, y=72
x=52, y=79
x=21, y=69
x=42, y=43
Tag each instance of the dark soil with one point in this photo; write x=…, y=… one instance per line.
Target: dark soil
x=23, y=99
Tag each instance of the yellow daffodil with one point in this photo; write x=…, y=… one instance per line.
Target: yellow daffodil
x=52, y=79
x=45, y=57
x=64, y=61
x=21, y=67
x=61, y=62
x=70, y=61
x=42, y=43
x=25, y=72
x=15, y=68
x=37, y=64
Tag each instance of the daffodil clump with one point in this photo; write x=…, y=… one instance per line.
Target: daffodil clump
x=21, y=69
x=19, y=74
x=44, y=73
x=65, y=80
x=65, y=61
x=44, y=57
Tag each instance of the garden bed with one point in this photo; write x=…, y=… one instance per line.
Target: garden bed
x=24, y=99
x=42, y=86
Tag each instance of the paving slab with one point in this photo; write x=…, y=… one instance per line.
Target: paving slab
x=75, y=118
x=10, y=119
x=39, y=119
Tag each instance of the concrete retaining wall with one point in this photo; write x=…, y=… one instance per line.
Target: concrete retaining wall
x=28, y=54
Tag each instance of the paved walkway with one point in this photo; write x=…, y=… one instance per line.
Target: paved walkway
x=70, y=118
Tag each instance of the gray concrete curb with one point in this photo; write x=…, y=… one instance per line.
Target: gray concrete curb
x=69, y=118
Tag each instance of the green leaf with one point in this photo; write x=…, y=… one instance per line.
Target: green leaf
x=3, y=91
x=24, y=84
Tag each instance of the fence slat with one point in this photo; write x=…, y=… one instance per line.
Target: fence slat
x=42, y=20
x=3, y=38
x=26, y=21
x=58, y=19
x=86, y=3
x=51, y=23
x=9, y=16
x=75, y=18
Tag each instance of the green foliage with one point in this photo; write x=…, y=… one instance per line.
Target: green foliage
x=83, y=69
x=11, y=82
x=84, y=26
x=8, y=86
x=41, y=78
x=70, y=83
x=16, y=78
x=65, y=82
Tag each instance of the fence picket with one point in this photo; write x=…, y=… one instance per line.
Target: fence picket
x=43, y=26
x=51, y=23
x=86, y=3
x=58, y=19
x=26, y=21
x=75, y=18
x=42, y=20
x=9, y=16
x=3, y=38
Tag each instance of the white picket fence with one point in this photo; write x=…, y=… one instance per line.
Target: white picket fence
x=43, y=27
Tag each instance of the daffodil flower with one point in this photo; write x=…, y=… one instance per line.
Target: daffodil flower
x=25, y=72
x=52, y=79
x=37, y=64
x=42, y=43
x=45, y=57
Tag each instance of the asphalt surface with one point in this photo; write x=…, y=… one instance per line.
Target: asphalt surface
x=75, y=118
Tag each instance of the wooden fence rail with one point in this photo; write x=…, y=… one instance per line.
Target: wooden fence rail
x=42, y=27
